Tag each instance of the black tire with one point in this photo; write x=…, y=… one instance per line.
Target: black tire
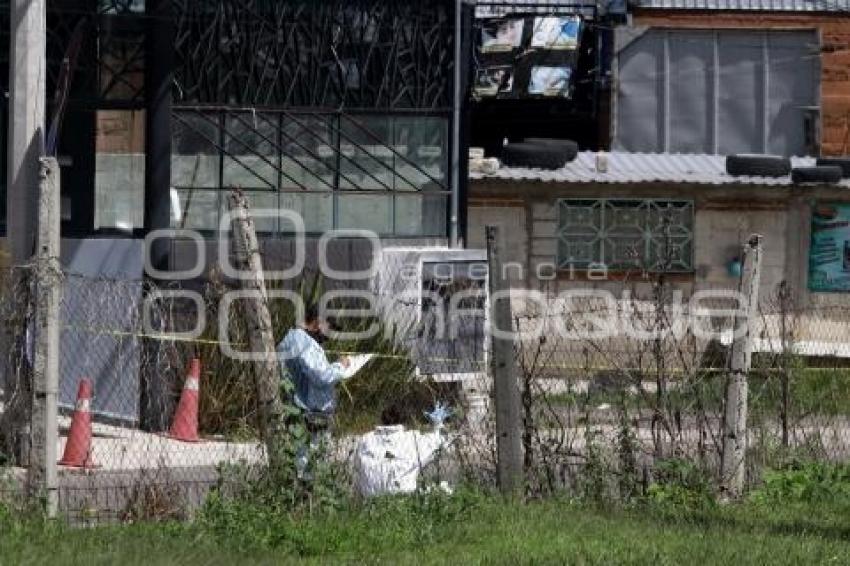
x=758, y=165
x=532, y=155
x=569, y=147
x=817, y=174
x=843, y=162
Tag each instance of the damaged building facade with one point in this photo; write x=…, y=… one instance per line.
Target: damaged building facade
x=682, y=85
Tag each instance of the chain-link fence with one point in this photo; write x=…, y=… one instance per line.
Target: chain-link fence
x=613, y=387
x=134, y=342
x=610, y=387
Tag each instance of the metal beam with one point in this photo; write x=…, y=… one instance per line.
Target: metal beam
x=159, y=76
x=454, y=232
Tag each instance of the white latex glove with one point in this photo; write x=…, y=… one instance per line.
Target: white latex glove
x=438, y=415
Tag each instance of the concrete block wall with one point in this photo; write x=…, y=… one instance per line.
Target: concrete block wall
x=724, y=217
x=512, y=222
x=718, y=235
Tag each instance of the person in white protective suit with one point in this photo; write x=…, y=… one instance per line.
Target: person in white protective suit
x=389, y=459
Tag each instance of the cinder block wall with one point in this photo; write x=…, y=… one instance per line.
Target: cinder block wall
x=510, y=216
x=835, y=56
x=724, y=217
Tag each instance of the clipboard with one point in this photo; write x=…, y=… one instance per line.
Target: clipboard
x=356, y=363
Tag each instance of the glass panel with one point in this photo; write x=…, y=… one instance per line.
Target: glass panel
x=625, y=218
x=626, y=234
x=578, y=252
x=121, y=66
x=556, y=32
x=366, y=212
x=309, y=160
x=196, y=208
x=421, y=215
x=624, y=252
x=121, y=6
x=251, y=139
x=194, y=157
x=264, y=204
x=490, y=81
x=581, y=217
x=672, y=254
x=316, y=210
x=740, y=103
x=423, y=141
x=501, y=35
x=367, y=161
x=676, y=217
x=119, y=169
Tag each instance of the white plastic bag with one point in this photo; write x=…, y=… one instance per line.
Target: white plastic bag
x=389, y=459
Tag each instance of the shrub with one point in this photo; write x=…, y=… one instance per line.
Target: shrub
x=679, y=483
x=809, y=482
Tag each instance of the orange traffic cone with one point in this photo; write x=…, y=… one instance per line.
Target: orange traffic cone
x=185, y=424
x=78, y=447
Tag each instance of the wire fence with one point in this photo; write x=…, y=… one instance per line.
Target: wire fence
x=611, y=408
x=600, y=410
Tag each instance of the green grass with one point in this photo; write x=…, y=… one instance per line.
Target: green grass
x=812, y=391
x=457, y=530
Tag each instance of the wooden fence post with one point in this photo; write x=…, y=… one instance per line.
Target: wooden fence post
x=260, y=333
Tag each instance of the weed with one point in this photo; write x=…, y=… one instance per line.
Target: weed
x=154, y=502
x=680, y=484
x=809, y=482
x=594, y=478
x=627, y=448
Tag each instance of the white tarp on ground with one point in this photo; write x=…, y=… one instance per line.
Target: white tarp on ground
x=390, y=459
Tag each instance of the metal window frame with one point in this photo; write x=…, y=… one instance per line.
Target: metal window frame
x=648, y=234
x=217, y=116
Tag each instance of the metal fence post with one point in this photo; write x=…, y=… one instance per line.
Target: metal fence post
x=43, y=473
x=733, y=463
x=503, y=369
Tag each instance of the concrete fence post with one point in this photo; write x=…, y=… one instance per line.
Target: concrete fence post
x=503, y=369
x=733, y=462
x=44, y=431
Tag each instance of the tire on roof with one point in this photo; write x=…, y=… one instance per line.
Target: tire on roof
x=532, y=155
x=843, y=162
x=569, y=147
x=758, y=165
x=816, y=174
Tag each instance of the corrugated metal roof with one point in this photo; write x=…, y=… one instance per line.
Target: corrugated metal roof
x=752, y=5
x=626, y=167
